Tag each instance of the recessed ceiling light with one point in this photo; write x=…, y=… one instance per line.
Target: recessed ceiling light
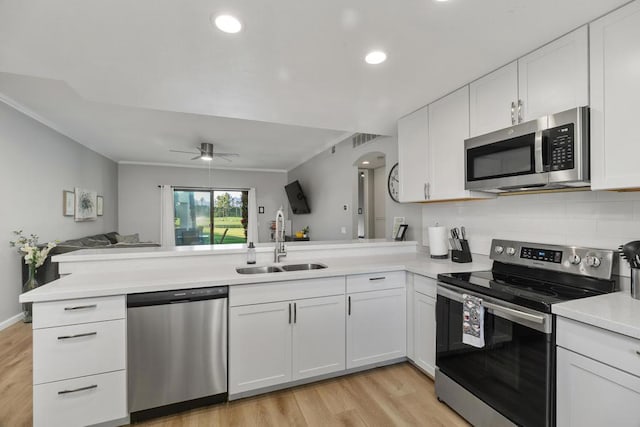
x=228, y=23
x=366, y=162
x=375, y=57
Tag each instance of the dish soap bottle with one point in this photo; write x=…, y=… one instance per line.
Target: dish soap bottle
x=251, y=254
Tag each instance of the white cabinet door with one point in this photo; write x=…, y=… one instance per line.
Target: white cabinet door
x=424, y=328
x=590, y=393
x=318, y=336
x=376, y=327
x=413, y=140
x=491, y=99
x=615, y=143
x=448, y=128
x=555, y=77
x=259, y=346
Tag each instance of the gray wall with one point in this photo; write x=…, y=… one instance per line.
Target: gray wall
x=36, y=164
x=330, y=181
x=139, y=195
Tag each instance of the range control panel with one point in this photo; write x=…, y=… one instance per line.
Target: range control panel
x=596, y=263
x=560, y=146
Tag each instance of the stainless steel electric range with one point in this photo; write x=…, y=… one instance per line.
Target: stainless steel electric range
x=511, y=378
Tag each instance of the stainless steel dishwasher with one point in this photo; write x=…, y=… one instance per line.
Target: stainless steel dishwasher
x=177, y=350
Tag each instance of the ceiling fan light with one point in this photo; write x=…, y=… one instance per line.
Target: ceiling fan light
x=206, y=157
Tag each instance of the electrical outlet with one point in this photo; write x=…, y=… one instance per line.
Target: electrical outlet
x=343, y=230
x=345, y=208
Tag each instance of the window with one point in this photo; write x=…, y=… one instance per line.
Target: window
x=201, y=214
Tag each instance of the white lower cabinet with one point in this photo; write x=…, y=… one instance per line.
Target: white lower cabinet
x=81, y=401
x=424, y=329
x=279, y=342
x=376, y=326
x=598, y=376
x=318, y=336
x=591, y=393
x=259, y=346
x=79, y=362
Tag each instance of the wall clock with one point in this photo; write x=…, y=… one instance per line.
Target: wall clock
x=393, y=184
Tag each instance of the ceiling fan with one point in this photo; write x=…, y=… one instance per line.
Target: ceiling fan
x=207, y=153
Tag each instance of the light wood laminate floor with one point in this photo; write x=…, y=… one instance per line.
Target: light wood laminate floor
x=397, y=395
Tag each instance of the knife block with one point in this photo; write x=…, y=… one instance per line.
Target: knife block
x=464, y=255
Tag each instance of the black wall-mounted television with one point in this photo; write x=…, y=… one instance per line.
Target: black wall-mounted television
x=297, y=200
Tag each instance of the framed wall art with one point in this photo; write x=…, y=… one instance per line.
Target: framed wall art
x=100, y=206
x=86, y=202
x=68, y=203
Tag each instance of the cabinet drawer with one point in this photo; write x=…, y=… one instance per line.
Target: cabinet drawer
x=619, y=351
x=81, y=401
x=376, y=281
x=71, y=312
x=260, y=293
x=425, y=285
x=78, y=350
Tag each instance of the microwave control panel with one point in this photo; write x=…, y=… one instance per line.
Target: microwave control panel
x=561, y=151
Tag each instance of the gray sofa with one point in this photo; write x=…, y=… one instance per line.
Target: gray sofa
x=48, y=272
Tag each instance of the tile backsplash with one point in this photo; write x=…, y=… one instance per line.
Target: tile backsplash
x=598, y=219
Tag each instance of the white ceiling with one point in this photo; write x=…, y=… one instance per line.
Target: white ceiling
x=133, y=78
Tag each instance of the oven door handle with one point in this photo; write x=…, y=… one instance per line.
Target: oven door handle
x=498, y=309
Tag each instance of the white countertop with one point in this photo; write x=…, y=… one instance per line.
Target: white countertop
x=84, y=285
x=617, y=312
x=100, y=254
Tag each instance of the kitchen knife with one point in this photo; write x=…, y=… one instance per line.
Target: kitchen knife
x=464, y=233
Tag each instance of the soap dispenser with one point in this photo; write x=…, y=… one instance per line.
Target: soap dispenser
x=251, y=254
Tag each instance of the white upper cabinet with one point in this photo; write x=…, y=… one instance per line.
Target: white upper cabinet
x=555, y=77
x=551, y=79
x=494, y=100
x=413, y=143
x=615, y=85
x=449, y=127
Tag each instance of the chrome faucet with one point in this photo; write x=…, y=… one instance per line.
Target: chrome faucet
x=280, y=250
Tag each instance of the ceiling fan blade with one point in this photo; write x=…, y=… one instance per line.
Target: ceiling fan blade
x=179, y=151
x=226, y=154
x=196, y=157
x=218, y=156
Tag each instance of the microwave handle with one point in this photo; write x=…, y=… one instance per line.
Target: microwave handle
x=539, y=162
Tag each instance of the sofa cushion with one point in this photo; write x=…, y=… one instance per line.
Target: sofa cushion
x=132, y=238
x=113, y=237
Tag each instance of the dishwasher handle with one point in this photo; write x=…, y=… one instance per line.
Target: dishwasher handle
x=177, y=296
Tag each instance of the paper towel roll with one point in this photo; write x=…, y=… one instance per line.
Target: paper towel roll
x=438, y=242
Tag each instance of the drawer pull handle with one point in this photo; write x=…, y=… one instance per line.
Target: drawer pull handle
x=377, y=278
x=81, y=307
x=88, y=334
x=89, y=387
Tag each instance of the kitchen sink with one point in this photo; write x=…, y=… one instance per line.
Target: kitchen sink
x=300, y=267
x=258, y=270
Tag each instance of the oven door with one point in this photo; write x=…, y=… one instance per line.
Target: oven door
x=514, y=372
x=509, y=159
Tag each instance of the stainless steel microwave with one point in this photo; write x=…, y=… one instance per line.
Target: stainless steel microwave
x=550, y=152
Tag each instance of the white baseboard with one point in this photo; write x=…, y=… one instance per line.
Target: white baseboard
x=10, y=321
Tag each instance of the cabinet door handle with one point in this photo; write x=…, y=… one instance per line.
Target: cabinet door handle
x=425, y=191
x=428, y=191
x=81, y=307
x=513, y=113
x=377, y=278
x=89, y=387
x=289, y=313
x=349, y=299
x=68, y=337
x=295, y=312
x=519, y=110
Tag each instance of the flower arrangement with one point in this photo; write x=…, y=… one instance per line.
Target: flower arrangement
x=34, y=256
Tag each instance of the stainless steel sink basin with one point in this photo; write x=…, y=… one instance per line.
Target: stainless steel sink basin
x=300, y=267
x=258, y=270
